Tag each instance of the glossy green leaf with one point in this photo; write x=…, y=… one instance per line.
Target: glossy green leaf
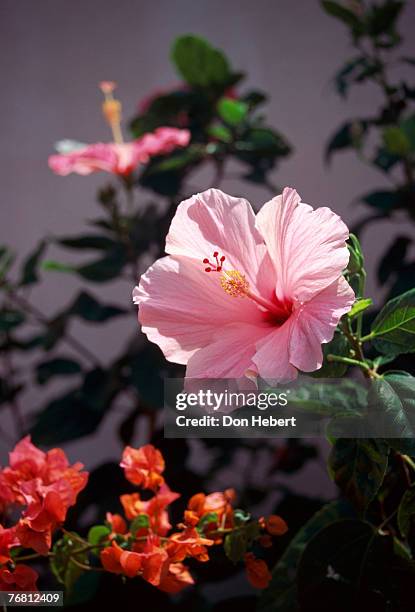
x=97, y=533
x=359, y=306
x=232, y=111
x=391, y=400
x=142, y=521
x=358, y=467
x=393, y=329
x=333, y=369
x=199, y=63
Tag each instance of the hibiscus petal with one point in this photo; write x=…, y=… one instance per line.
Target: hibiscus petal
x=214, y=221
x=230, y=353
x=272, y=355
x=307, y=246
x=181, y=307
x=315, y=323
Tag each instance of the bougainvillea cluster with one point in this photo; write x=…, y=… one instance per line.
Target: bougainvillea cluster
x=144, y=543
x=38, y=488
x=41, y=486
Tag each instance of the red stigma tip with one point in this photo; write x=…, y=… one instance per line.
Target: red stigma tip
x=208, y=269
x=205, y=260
x=215, y=254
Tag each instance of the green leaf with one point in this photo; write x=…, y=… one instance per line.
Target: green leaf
x=356, y=70
x=350, y=134
x=359, y=306
x=396, y=141
x=50, y=265
x=240, y=540
x=29, y=274
x=220, y=132
x=393, y=329
x=342, y=13
x=384, y=201
x=58, y=366
x=333, y=369
x=93, y=241
x=10, y=319
x=105, y=269
x=391, y=400
x=326, y=399
x=207, y=519
x=356, y=259
x=98, y=533
x=265, y=142
x=281, y=594
x=142, y=521
x=336, y=550
x=78, y=412
x=406, y=511
x=89, y=309
x=381, y=18
x=231, y=111
x=235, y=545
x=385, y=160
x=358, y=467
x=64, y=569
x=199, y=63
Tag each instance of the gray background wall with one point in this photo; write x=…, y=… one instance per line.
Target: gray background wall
x=54, y=52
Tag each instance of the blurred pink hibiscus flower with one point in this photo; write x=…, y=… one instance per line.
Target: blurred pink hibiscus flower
x=120, y=158
x=241, y=293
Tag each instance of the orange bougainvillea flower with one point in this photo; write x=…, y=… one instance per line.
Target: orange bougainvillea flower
x=155, y=509
x=257, y=571
x=8, y=539
x=116, y=523
x=177, y=578
x=188, y=543
x=143, y=466
x=275, y=525
x=22, y=578
x=218, y=503
x=151, y=564
x=45, y=485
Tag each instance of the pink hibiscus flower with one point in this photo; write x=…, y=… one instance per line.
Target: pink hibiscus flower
x=241, y=293
x=119, y=158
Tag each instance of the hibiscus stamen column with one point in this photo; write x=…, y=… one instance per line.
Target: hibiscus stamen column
x=111, y=109
x=235, y=284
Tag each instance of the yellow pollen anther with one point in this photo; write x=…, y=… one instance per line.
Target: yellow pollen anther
x=234, y=283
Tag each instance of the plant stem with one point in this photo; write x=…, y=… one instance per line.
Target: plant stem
x=367, y=337
x=338, y=358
